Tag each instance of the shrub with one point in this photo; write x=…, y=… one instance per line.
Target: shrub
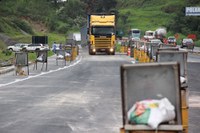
x=6, y=52
x=52, y=24
x=171, y=8
x=23, y=25
x=63, y=28
x=197, y=43
x=2, y=45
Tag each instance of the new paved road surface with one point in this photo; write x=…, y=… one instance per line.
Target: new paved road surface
x=82, y=97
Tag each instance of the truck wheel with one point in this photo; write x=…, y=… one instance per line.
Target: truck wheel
x=24, y=50
x=113, y=53
x=91, y=53
x=89, y=50
x=10, y=49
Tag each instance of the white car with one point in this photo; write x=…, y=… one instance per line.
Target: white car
x=149, y=35
x=171, y=40
x=18, y=47
x=35, y=47
x=187, y=42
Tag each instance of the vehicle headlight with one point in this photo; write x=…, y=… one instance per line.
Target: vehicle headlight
x=111, y=49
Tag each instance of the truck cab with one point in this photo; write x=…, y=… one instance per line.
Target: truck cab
x=134, y=34
x=101, y=31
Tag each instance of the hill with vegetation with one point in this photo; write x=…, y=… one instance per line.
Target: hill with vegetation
x=151, y=14
x=20, y=19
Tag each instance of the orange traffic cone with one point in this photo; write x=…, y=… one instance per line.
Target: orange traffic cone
x=129, y=52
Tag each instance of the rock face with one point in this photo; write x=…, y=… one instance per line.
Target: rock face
x=8, y=41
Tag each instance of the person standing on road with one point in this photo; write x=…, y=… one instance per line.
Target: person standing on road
x=60, y=46
x=54, y=47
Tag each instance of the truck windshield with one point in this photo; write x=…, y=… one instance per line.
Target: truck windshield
x=149, y=33
x=102, y=30
x=135, y=31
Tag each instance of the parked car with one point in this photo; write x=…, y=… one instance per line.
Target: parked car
x=38, y=46
x=149, y=35
x=18, y=47
x=171, y=40
x=187, y=42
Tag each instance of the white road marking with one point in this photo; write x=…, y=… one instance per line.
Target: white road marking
x=194, y=99
x=193, y=61
x=42, y=73
x=133, y=62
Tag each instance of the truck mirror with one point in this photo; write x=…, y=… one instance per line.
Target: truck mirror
x=87, y=30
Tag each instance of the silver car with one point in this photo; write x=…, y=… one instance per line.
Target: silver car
x=188, y=43
x=38, y=46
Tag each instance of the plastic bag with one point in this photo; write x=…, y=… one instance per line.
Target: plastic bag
x=67, y=54
x=40, y=58
x=182, y=79
x=151, y=112
x=60, y=56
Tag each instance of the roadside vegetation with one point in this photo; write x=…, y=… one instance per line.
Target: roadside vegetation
x=152, y=14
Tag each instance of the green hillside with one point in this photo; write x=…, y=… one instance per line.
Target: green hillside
x=151, y=14
x=20, y=19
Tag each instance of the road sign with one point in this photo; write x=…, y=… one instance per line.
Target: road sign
x=192, y=11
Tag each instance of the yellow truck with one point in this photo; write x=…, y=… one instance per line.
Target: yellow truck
x=101, y=33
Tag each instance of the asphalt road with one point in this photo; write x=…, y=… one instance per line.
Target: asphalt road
x=83, y=96
x=194, y=96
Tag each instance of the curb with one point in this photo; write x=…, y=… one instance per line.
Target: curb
x=6, y=69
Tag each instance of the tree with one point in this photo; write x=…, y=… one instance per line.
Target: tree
x=96, y=6
x=184, y=24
